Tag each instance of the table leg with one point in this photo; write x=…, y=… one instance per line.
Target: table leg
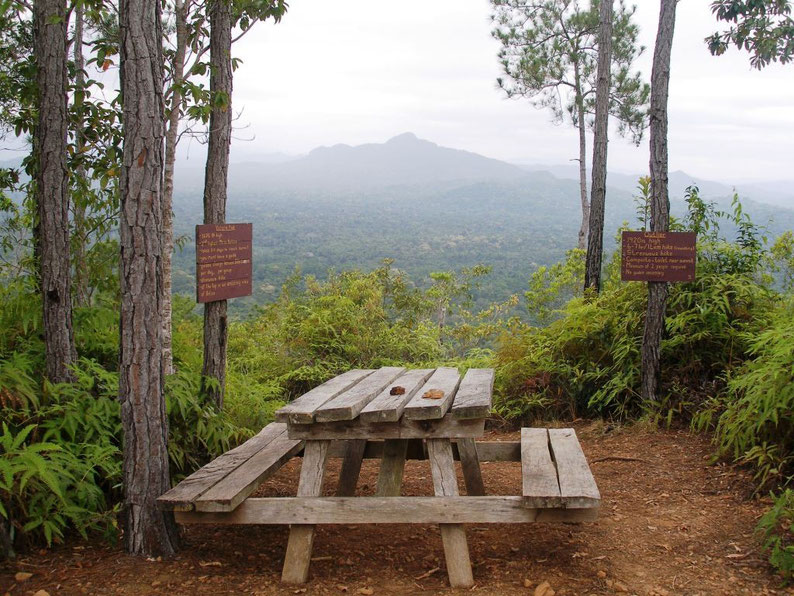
x=390, y=476
x=470, y=462
x=351, y=467
x=301, y=537
x=445, y=483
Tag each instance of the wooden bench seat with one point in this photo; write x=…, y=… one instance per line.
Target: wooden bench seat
x=554, y=469
x=226, y=481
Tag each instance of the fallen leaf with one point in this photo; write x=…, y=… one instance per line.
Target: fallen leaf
x=210, y=563
x=433, y=394
x=620, y=587
x=366, y=591
x=527, y=583
x=397, y=390
x=42, y=593
x=544, y=589
x=22, y=576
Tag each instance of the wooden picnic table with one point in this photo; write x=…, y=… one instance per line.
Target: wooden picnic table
x=392, y=414
x=393, y=405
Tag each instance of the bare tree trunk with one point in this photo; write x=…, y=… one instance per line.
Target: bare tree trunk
x=147, y=530
x=660, y=202
x=52, y=186
x=6, y=546
x=216, y=176
x=595, y=237
x=582, y=242
x=81, y=294
x=171, y=138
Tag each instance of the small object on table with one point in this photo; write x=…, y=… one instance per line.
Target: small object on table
x=433, y=394
x=397, y=390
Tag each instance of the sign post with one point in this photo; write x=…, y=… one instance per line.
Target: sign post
x=658, y=256
x=223, y=261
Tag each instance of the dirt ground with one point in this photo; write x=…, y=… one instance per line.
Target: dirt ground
x=670, y=523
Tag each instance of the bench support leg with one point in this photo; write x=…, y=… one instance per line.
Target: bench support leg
x=301, y=537
x=470, y=462
x=390, y=477
x=445, y=483
x=351, y=467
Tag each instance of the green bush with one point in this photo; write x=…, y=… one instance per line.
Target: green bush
x=755, y=414
x=776, y=529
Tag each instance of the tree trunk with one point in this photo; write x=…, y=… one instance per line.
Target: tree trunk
x=171, y=138
x=595, y=237
x=81, y=295
x=582, y=243
x=52, y=186
x=216, y=175
x=660, y=203
x=147, y=530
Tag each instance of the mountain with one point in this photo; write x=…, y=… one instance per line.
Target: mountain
x=779, y=193
x=404, y=160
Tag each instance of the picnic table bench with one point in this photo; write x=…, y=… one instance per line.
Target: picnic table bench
x=392, y=414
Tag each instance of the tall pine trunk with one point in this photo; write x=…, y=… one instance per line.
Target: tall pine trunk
x=595, y=236
x=215, y=180
x=171, y=138
x=52, y=186
x=147, y=530
x=581, y=125
x=660, y=202
x=81, y=294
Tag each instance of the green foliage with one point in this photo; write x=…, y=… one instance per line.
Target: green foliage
x=776, y=529
x=60, y=460
x=550, y=52
x=587, y=362
x=764, y=28
x=755, y=415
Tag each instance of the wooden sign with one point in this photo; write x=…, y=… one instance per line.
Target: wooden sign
x=223, y=261
x=658, y=256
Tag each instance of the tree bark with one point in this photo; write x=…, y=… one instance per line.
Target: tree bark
x=147, y=530
x=582, y=242
x=52, y=186
x=215, y=180
x=595, y=236
x=171, y=138
x=660, y=202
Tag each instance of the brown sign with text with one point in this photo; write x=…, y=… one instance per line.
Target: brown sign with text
x=658, y=256
x=223, y=261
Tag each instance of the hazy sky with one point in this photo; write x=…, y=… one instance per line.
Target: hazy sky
x=359, y=71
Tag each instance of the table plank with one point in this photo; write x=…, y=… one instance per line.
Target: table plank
x=470, y=463
x=301, y=537
x=228, y=493
x=182, y=496
x=539, y=474
x=301, y=410
x=388, y=408
x=390, y=475
x=347, y=405
x=577, y=485
x=387, y=510
x=445, y=379
x=405, y=429
x=453, y=536
x=473, y=399
x=351, y=467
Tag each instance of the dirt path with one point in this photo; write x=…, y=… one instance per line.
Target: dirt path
x=670, y=524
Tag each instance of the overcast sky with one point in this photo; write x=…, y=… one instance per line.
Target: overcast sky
x=359, y=71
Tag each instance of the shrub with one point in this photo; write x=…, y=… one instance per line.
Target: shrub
x=776, y=529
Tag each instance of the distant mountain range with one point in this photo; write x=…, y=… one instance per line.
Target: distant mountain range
x=407, y=161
